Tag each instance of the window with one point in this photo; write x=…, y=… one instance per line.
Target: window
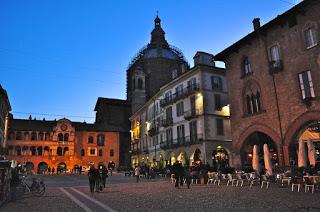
x=310, y=37
x=133, y=84
x=220, y=130
x=60, y=137
x=100, y=140
x=168, y=96
x=18, y=136
x=66, y=137
x=216, y=83
x=90, y=140
x=179, y=90
x=169, y=135
x=174, y=73
x=180, y=109
x=82, y=152
x=169, y=113
x=306, y=85
x=59, y=151
x=180, y=134
x=246, y=66
x=193, y=131
x=26, y=136
x=41, y=136
x=39, y=150
x=275, y=53
x=92, y=152
x=111, y=152
x=140, y=84
x=217, y=102
x=47, y=136
x=33, y=136
x=192, y=84
x=100, y=152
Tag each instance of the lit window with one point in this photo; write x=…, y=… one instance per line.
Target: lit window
x=310, y=37
x=306, y=85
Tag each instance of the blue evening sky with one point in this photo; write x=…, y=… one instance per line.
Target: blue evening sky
x=57, y=57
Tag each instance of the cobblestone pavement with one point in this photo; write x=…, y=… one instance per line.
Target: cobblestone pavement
x=71, y=193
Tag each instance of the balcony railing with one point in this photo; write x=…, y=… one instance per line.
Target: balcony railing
x=275, y=66
x=184, y=141
x=180, y=95
x=135, y=151
x=193, y=113
x=167, y=122
x=153, y=131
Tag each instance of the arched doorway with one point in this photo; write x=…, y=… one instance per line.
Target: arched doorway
x=29, y=167
x=183, y=158
x=259, y=139
x=172, y=158
x=220, y=158
x=308, y=132
x=161, y=162
x=196, y=158
x=62, y=167
x=42, y=167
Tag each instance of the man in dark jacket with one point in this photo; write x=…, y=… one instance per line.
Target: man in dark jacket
x=91, y=175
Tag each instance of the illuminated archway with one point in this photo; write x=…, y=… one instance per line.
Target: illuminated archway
x=259, y=139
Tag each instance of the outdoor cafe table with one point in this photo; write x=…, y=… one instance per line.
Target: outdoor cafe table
x=314, y=179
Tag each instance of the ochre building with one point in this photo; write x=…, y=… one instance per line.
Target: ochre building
x=62, y=145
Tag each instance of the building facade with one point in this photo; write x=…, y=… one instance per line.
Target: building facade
x=153, y=67
x=5, y=108
x=273, y=77
x=186, y=121
x=62, y=145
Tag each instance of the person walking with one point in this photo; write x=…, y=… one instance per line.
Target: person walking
x=137, y=171
x=91, y=174
x=104, y=175
x=49, y=170
x=52, y=170
x=97, y=180
x=187, y=175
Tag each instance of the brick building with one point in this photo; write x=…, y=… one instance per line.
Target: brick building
x=39, y=144
x=5, y=108
x=273, y=77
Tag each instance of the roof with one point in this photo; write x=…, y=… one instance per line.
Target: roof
x=3, y=93
x=276, y=21
x=45, y=126
x=109, y=101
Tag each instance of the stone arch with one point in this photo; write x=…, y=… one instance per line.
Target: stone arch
x=42, y=167
x=295, y=127
x=29, y=167
x=237, y=145
x=183, y=158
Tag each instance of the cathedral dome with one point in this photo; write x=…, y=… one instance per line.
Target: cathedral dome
x=158, y=46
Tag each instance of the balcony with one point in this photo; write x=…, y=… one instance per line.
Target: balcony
x=180, y=94
x=190, y=114
x=275, y=66
x=153, y=131
x=135, y=152
x=167, y=122
x=180, y=142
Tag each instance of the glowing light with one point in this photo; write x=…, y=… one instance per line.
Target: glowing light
x=226, y=110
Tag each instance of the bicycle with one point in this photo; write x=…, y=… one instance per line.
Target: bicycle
x=37, y=186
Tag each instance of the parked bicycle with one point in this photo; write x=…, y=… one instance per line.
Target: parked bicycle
x=37, y=186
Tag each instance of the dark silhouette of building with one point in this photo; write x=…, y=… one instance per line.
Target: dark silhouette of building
x=154, y=66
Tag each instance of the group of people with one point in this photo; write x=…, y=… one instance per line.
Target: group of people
x=181, y=173
x=97, y=178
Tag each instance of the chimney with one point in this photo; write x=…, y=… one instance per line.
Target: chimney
x=256, y=23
